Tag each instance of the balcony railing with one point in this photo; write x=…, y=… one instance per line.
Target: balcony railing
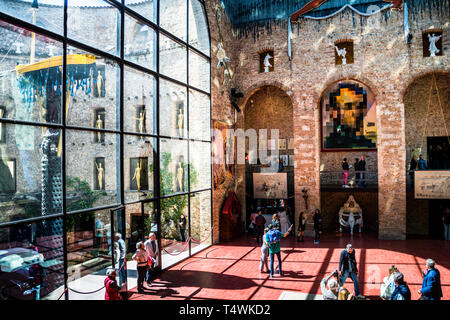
x=335, y=179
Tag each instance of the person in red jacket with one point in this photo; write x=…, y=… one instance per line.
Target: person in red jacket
x=111, y=286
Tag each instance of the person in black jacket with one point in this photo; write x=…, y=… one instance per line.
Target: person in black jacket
x=345, y=168
x=401, y=291
x=348, y=268
x=317, y=218
x=362, y=167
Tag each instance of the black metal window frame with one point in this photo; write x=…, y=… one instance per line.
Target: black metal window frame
x=122, y=63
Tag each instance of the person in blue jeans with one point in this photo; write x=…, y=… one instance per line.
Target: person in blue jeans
x=431, y=285
x=273, y=241
x=348, y=268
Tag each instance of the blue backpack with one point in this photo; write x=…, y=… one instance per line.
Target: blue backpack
x=273, y=236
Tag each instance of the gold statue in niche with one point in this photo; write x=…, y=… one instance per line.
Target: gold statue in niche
x=99, y=83
x=180, y=174
x=180, y=122
x=99, y=125
x=137, y=174
x=100, y=174
x=140, y=120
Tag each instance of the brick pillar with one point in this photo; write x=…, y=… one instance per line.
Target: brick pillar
x=391, y=167
x=306, y=153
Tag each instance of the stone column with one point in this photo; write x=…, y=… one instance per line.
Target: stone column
x=391, y=166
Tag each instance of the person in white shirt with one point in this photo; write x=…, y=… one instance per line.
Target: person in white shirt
x=332, y=292
x=151, y=247
x=140, y=256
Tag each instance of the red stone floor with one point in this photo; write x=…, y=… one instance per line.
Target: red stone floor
x=230, y=270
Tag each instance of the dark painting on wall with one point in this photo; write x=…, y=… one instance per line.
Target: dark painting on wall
x=348, y=117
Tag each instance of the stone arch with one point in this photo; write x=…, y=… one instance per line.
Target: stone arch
x=416, y=76
x=248, y=92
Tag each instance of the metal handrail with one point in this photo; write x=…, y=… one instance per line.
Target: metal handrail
x=335, y=177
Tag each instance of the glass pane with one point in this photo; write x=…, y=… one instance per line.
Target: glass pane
x=30, y=76
x=88, y=253
x=92, y=169
x=199, y=116
x=139, y=102
x=172, y=110
x=30, y=172
x=173, y=249
x=93, y=91
x=140, y=45
x=172, y=59
x=32, y=261
x=97, y=25
x=200, y=165
x=138, y=167
x=147, y=9
x=150, y=222
x=172, y=17
x=42, y=15
x=200, y=221
x=173, y=166
x=198, y=28
x=120, y=247
x=199, y=69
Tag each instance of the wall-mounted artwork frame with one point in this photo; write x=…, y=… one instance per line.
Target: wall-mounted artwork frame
x=431, y=184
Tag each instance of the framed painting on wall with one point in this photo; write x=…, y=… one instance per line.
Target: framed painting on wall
x=270, y=185
x=223, y=152
x=432, y=184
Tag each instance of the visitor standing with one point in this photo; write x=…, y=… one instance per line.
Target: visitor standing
x=317, y=219
x=348, y=268
x=362, y=168
x=388, y=285
x=151, y=247
x=284, y=221
x=301, y=226
x=345, y=168
x=422, y=163
x=431, y=285
x=122, y=260
x=273, y=237
x=140, y=256
x=276, y=222
x=260, y=221
x=446, y=223
x=401, y=291
x=182, y=225
x=111, y=286
x=264, y=253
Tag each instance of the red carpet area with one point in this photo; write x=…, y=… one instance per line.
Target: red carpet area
x=230, y=270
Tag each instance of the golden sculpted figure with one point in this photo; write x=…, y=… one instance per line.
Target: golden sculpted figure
x=100, y=174
x=99, y=125
x=141, y=122
x=180, y=174
x=137, y=174
x=180, y=122
x=99, y=83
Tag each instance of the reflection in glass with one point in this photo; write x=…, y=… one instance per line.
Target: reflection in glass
x=30, y=75
x=32, y=261
x=30, y=170
x=199, y=116
x=173, y=111
x=150, y=223
x=91, y=170
x=172, y=58
x=147, y=9
x=88, y=252
x=173, y=249
x=44, y=16
x=200, y=165
x=173, y=166
x=139, y=101
x=172, y=17
x=97, y=25
x=139, y=43
x=92, y=91
x=198, y=71
x=200, y=220
x=138, y=167
x=198, y=28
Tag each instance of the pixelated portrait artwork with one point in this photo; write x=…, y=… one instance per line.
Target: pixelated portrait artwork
x=349, y=118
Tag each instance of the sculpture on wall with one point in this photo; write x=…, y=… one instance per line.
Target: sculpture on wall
x=137, y=174
x=180, y=121
x=100, y=174
x=350, y=215
x=140, y=121
x=267, y=64
x=99, y=125
x=433, y=49
x=342, y=52
x=180, y=175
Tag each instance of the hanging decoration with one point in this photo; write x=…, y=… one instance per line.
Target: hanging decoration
x=222, y=58
x=408, y=35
